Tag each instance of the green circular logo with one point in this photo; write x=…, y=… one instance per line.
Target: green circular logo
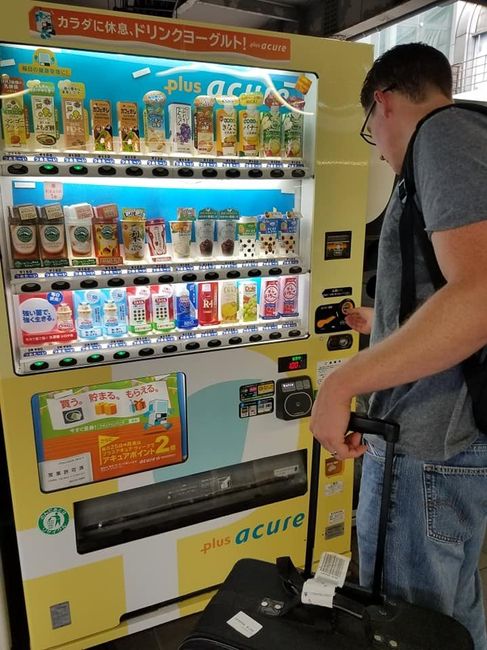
x=25, y=234
x=107, y=232
x=52, y=234
x=53, y=520
x=81, y=234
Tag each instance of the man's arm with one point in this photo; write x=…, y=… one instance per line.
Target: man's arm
x=446, y=329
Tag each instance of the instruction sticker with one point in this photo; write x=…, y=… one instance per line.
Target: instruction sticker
x=252, y=391
x=257, y=407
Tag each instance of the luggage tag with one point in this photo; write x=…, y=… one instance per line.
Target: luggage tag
x=330, y=574
x=244, y=624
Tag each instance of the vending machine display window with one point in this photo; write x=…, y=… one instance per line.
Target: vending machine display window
x=163, y=208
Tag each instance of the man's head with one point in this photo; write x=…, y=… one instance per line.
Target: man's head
x=403, y=85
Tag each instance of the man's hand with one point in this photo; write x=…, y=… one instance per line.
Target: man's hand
x=360, y=319
x=329, y=421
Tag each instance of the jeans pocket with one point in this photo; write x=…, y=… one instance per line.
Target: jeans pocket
x=456, y=499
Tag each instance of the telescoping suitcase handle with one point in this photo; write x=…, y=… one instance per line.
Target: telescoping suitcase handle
x=362, y=424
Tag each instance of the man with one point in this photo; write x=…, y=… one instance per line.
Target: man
x=439, y=502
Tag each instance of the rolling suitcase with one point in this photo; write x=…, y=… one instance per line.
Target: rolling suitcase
x=258, y=607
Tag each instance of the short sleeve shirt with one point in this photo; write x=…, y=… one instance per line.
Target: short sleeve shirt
x=450, y=171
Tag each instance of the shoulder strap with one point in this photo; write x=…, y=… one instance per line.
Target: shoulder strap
x=412, y=225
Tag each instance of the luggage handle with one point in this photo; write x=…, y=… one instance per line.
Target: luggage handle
x=362, y=424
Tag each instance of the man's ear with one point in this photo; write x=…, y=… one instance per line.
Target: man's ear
x=383, y=102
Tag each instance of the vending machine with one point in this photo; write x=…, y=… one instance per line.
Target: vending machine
x=182, y=229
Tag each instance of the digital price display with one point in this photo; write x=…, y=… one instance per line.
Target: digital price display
x=296, y=362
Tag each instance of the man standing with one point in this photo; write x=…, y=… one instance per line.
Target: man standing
x=439, y=501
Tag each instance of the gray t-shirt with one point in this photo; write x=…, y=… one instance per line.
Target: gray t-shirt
x=450, y=171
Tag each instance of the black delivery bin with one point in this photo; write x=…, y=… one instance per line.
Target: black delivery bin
x=267, y=597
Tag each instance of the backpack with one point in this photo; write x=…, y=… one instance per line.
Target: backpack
x=412, y=231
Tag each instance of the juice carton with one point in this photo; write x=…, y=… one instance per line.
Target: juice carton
x=114, y=313
x=180, y=124
x=271, y=128
x=23, y=236
x=292, y=128
x=269, y=298
x=139, y=310
x=204, y=135
x=226, y=126
x=162, y=297
x=268, y=229
x=288, y=296
x=133, y=234
x=128, y=126
x=52, y=236
x=74, y=114
x=14, y=114
x=288, y=242
x=228, y=301
x=88, y=309
x=105, y=235
x=156, y=232
x=44, y=114
x=208, y=303
x=46, y=318
x=186, y=306
x=249, y=124
x=101, y=124
x=247, y=291
x=154, y=127
x=79, y=230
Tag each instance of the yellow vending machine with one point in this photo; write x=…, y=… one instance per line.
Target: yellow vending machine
x=182, y=229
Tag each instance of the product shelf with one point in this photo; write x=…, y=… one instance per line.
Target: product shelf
x=68, y=278
x=82, y=353
x=85, y=165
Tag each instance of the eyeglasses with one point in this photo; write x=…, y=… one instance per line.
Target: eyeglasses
x=364, y=132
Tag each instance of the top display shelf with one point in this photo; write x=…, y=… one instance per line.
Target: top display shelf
x=79, y=165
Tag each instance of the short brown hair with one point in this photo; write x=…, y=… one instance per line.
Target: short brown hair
x=411, y=69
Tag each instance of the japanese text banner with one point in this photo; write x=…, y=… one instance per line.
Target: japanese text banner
x=48, y=22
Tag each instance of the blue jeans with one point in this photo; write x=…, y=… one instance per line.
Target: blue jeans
x=435, y=532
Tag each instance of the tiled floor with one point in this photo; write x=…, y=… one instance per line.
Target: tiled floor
x=170, y=635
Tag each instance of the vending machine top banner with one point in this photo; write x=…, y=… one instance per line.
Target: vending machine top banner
x=47, y=22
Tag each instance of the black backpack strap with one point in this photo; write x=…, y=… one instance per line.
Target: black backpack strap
x=412, y=225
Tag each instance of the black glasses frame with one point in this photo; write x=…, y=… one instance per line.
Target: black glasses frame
x=364, y=134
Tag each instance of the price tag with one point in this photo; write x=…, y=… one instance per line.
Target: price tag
x=53, y=191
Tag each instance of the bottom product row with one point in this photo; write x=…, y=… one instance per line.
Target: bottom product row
x=88, y=315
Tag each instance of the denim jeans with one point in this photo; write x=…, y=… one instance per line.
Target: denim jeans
x=435, y=532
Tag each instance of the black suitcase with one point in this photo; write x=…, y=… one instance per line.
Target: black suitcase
x=270, y=595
